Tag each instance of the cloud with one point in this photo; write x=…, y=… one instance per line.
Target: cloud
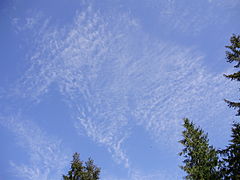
x=175, y=85
x=76, y=61
x=135, y=175
x=193, y=18
x=113, y=76
x=47, y=157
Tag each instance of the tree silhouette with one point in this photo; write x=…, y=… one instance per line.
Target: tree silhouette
x=80, y=172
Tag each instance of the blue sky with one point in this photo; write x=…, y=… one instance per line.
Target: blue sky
x=111, y=80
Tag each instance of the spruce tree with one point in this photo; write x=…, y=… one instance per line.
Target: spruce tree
x=80, y=172
x=200, y=159
x=233, y=55
x=231, y=155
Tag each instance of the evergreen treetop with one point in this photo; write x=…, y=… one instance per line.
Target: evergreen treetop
x=233, y=55
x=201, y=160
x=80, y=172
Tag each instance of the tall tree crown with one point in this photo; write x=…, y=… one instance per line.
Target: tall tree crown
x=80, y=172
x=200, y=159
x=233, y=55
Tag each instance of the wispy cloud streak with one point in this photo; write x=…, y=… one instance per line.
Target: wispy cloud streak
x=194, y=17
x=113, y=76
x=47, y=157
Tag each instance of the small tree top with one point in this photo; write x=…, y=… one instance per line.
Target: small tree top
x=80, y=172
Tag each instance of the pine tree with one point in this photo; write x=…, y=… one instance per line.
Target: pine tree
x=201, y=160
x=231, y=167
x=234, y=56
x=231, y=155
x=91, y=171
x=80, y=172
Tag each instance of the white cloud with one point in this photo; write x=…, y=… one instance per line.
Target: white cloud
x=176, y=85
x=113, y=76
x=76, y=64
x=136, y=175
x=192, y=17
x=47, y=157
x=30, y=21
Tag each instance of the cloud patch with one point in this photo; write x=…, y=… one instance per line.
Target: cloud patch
x=47, y=157
x=113, y=76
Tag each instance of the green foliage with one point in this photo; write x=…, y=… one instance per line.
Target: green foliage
x=233, y=55
x=201, y=160
x=231, y=155
x=80, y=172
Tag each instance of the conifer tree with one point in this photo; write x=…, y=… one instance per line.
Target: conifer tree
x=234, y=56
x=80, y=172
x=231, y=167
x=231, y=155
x=200, y=159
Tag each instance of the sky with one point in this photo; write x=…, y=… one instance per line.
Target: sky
x=112, y=80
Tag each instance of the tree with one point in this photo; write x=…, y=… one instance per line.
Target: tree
x=80, y=172
x=201, y=160
x=231, y=160
x=234, y=56
x=231, y=155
